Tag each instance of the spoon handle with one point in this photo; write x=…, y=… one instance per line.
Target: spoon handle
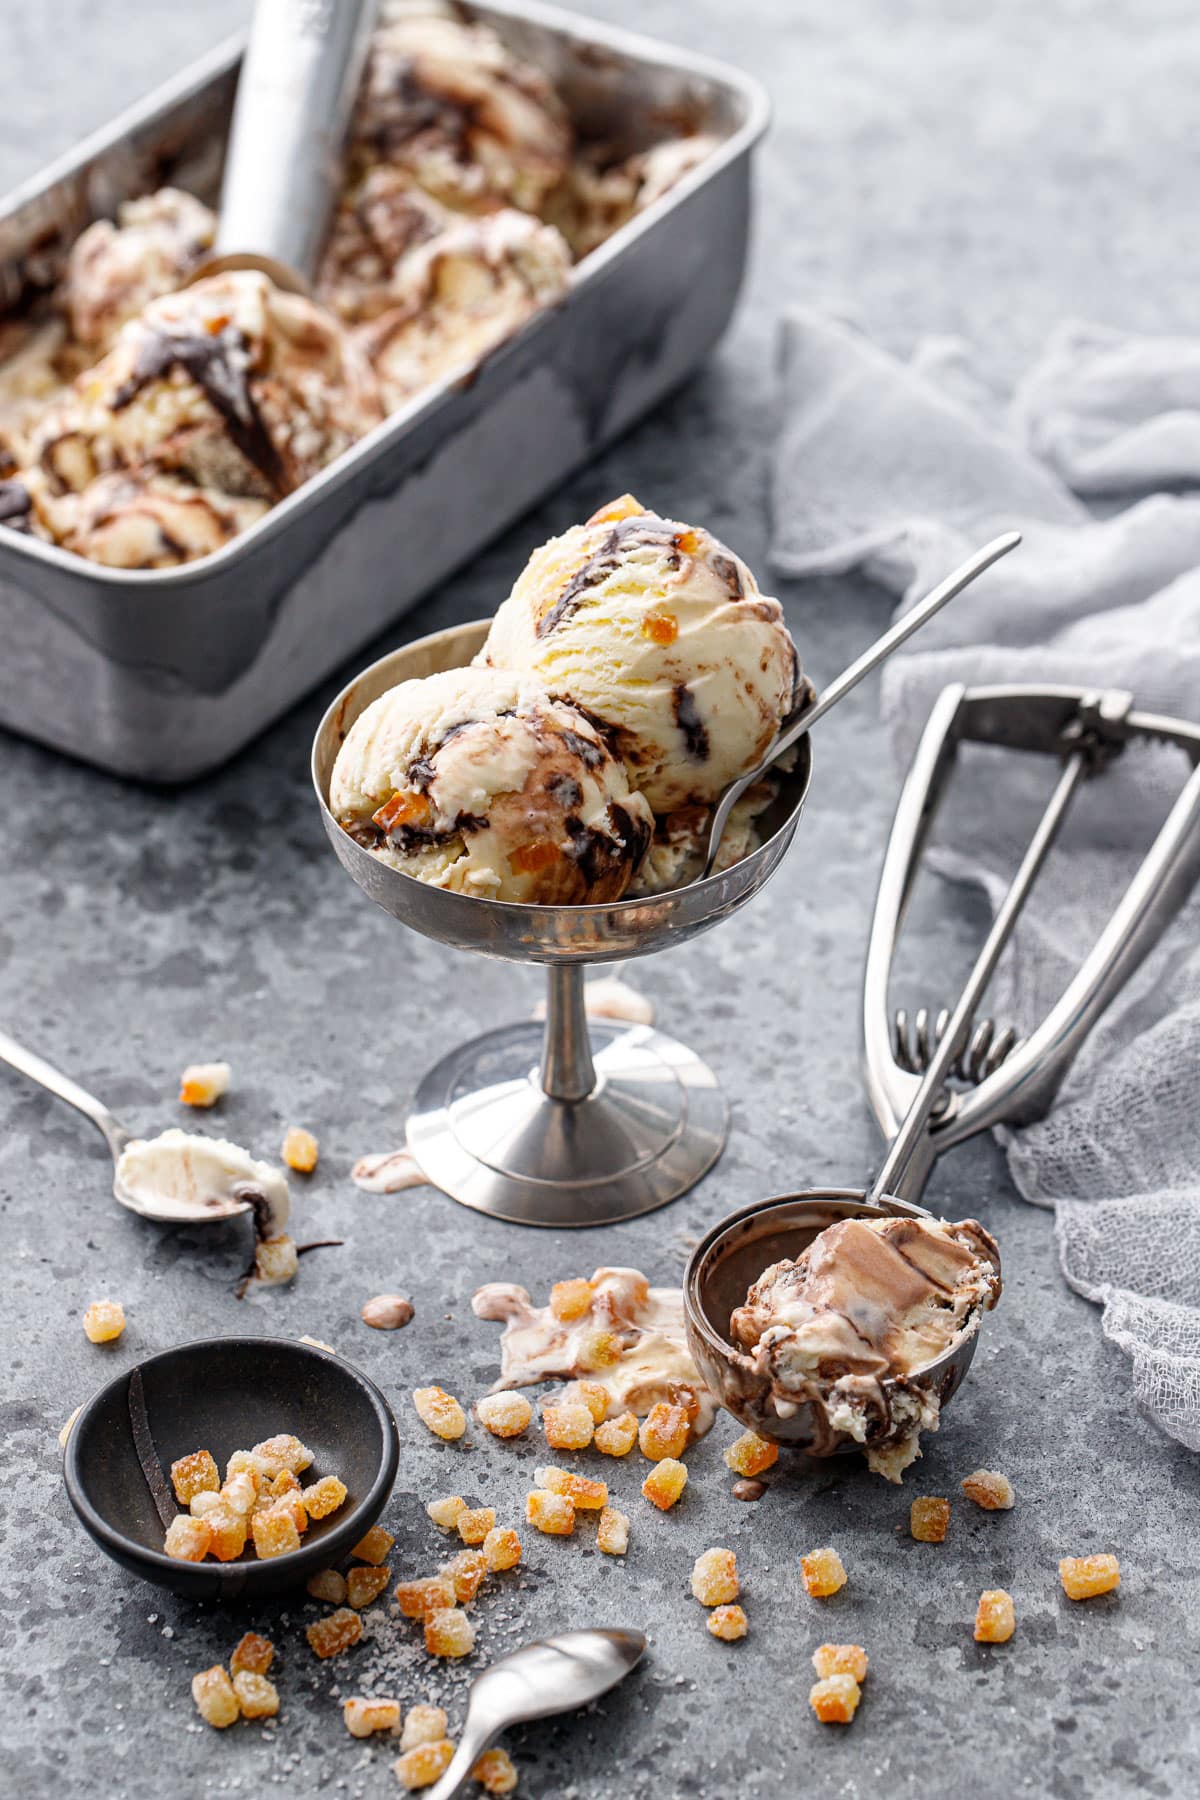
x=63, y=1088
x=478, y=1732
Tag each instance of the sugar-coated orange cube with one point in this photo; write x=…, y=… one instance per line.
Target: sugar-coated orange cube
x=446, y=1512
x=729, y=1623
x=252, y=1653
x=505, y=1415
x=363, y=1717
x=300, y=1150
x=202, y=1084
x=373, y=1548
x=835, y=1699
x=840, y=1659
x=282, y=1454
x=257, y=1697
x=1083, y=1577
x=104, y=1321
x=276, y=1260
x=449, y=1632
x=328, y=1585
x=612, y=1535
x=616, y=1437
x=194, y=1474
x=441, y=1412
x=336, y=1632
x=929, y=1519
x=623, y=507
x=987, y=1488
x=422, y=1725
x=588, y=1495
x=475, y=1523
x=715, y=1577
x=418, y=1598
x=665, y=1482
x=365, y=1584
x=324, y=1496
x=215, y=1699
x=570, y=1299
x=187, y=1539
x=568, y=1427
x=423, y=1766
x=227, y=1532
x=274, y=1531
x=553, y=1514
x=664, y=1431
x=240, y=1492
x=495, y=1772
x=600, y=1348
x=465, y=1573
x=502, y=1549
x=995, y=1617
x=823, y=1572
x=589, y=1394
x=750, y=1454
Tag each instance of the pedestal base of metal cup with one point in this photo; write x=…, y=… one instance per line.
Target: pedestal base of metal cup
x=486, y=1133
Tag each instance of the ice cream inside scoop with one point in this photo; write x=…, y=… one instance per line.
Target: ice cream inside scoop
x=185, y=1176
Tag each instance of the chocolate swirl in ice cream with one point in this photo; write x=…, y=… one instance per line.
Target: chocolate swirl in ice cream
x=849, y=1326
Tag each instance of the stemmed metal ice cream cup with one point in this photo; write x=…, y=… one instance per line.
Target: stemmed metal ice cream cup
x=569, y=1124
x=911, y=1081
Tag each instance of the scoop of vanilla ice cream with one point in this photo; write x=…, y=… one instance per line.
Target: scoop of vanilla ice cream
x=661, y=633
x=186, y=1172
x=476, y=780
x=117, y=267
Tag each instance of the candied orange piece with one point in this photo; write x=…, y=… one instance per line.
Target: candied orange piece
x=215, y=1699
x=589, y=1394
x=422, y=1725
x=240, y=1492
x=600, y=1349
x=416, y=1598
x=623, y=507
x=665, y=1482
x=728, y=1623
x=275, y=1532
x=204, y=1503
x=749, y=1455
x=283, y=1483
x=995, y=1617
x=373, y=1548
x=929, y=1519
x=281, y=1454
x=447, y=1511
x=1085, y=1576
x=495, y=1772
x=660, y=627
x=423, y=1766
x=276, y=1260
x=362, y=1717
x=328, y=1585
x=300, y=1150
x=365, y=1584
x=571, y=1299
x=664, y=1431
x=252, y=1653
x=202, y=1084
x=292, y=1504
x=449, y=1632
x=441, y=1412
x=505, y=1415
x=257, y=1697
x=465, y=1573
x=988, y=1489
x=840, y=1659
x=688, y=541
x=612, y=1535
x=616, y=1437
x=324, y=1497
x=823, y=1572
x=835, y=1699
x=715, y=1577
x=227, y=1532
x=194, y=1474
x=404, y=808
x=529, y=858
x=502, y=1549
x=474, y=1524
x=587, y=1495
x=334, y=1633
x=104, y=1321
x=187, y=1539
x=553, y=1514
x=568, y=1427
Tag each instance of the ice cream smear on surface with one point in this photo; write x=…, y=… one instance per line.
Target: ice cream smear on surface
x=186, y=1175
x=850, y=1326
x=627, y=1337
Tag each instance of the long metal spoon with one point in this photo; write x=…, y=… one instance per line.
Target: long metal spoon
x=116, y=1136
x=878, y=652
x=548, y=1676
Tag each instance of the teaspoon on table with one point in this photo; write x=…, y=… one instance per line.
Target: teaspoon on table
x=548, y=1676
x=168, y=1211
x=803, y=721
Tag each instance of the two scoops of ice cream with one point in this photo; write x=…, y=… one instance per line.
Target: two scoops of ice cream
x=634, y=671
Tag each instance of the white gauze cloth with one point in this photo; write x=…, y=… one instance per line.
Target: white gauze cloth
x=901, y=470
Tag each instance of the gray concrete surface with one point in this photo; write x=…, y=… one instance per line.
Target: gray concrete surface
x=935, y=166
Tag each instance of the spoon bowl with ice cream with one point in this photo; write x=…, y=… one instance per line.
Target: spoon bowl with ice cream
x=176, y=1178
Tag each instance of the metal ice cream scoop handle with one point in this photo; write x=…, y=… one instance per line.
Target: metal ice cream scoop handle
x=548, y=1676
x=859, y=669
x=298, y=83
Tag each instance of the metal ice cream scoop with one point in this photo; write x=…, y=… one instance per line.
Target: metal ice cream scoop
x=170, y=1210
x=548, y=1676
x=803, y=721
x=297, y=86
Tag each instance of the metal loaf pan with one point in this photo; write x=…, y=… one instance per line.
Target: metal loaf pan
x=163, y=674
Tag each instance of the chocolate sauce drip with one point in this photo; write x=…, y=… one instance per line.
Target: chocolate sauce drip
x=15, y=505
x=407, y=838
x=213, y=362
x=727, y=570
x=687, y=717
x=597, y=852
x=566, y=791
x=364, y=831
x=590, y=755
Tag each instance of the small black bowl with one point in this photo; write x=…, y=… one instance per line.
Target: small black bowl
x=222, y=1395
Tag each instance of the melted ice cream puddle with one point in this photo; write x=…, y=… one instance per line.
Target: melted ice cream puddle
x=388, y=1172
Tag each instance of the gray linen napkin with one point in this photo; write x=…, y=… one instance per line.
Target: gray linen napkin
x=899, y=470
